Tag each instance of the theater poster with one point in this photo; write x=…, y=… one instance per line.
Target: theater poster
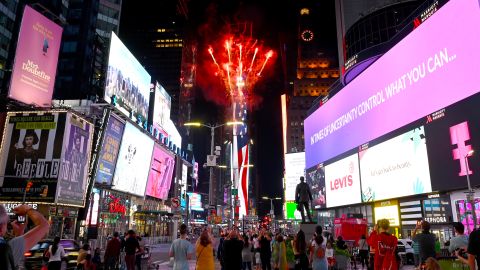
x=31, y=152
x=77, y=143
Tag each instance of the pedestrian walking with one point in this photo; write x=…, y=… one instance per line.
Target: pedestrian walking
x=247, y=254
x=181, y=250
x=220, y=250
x=82, y=254
x=132, y=247
x=112, y=252
x=204, y=252
x=55, y=255
x=317, y=252
x=363, y=250
x=139, y=254
x=299, y=245
x=280, y=258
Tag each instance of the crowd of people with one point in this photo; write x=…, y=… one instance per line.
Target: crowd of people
x=257, y=249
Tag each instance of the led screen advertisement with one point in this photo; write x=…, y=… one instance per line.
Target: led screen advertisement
x=294, y=168
x=36, y=57
x=109, y=151
x=395, y=168
x=31, y=151
x=315, y=178
x=127, y=80
x=77, y=143
x=161, y=108
x=161, y=172
x=424, y=72
x=451, y=133
x=195, y=200
x=133, y=163
x=342, y=182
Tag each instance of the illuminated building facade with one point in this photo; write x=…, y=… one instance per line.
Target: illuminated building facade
x=158, y=45
x=317, y=67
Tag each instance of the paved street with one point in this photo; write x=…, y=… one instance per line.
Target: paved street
x=160, y=259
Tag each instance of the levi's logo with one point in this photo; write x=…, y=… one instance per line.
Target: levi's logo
x=342, y=182
x=459, y=134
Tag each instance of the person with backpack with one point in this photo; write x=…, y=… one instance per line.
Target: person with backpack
x=317, y=251
x=11, y=252
x=385, y=246
x=55, y=254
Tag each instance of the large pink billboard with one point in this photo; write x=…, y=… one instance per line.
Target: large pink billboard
x=161, y=172
x=35, y=66
x=433, y=67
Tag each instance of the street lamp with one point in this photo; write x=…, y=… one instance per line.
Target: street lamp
x=470, y=192
x=272, y=210
x=212, y=134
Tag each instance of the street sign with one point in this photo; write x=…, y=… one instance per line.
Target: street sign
x=175, y=202
x=234, y=191
x=211, y=161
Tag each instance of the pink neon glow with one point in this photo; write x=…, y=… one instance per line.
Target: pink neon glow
x=459, y=134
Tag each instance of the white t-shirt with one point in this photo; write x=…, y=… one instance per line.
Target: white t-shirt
x=329, y=253
x=58, y=255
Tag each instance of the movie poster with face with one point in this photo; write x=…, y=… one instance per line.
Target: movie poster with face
x=31, y=152
x=72, y=181
x=133, y=163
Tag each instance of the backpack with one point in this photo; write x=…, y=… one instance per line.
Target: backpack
x=6, y=256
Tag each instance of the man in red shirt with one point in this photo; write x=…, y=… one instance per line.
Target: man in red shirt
x=385, y=246
x=112, y=252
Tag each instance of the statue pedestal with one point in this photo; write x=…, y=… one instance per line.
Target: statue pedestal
x=309, y=229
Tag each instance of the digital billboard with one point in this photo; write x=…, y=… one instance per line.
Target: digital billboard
x=195, y=200
x=161, y=173
x=31, y=151
x=395, y=168
x=77, y=145
x=451, y=133
x=424, y=72
x=161, y=108
x=108, y=155
x=36, y=57
x=342, y=181
x=315, y=178
x=127, y=80
x=294, y=168
x=133, y=163
x=387, y=210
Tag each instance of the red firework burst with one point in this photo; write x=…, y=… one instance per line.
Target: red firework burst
x=240, y=63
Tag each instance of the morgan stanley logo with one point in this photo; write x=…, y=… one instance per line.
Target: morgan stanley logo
x=459, y=134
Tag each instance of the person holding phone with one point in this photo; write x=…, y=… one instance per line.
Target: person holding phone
x=425, y=240
x=385, y=245
x=11, y=255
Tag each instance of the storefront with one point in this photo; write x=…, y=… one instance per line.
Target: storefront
x=462, y=209
x=434, y=208
x=108, y=213
x=152, y=220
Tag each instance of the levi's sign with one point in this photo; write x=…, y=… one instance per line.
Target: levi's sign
x=433, y=67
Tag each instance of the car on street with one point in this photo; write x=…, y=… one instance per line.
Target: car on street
x=34, y=257
x=405, y=250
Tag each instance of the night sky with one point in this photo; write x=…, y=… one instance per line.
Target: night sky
x=272, y=20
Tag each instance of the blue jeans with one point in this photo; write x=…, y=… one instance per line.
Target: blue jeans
x=247, y=264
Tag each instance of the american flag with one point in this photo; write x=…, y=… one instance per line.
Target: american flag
x=241, y=157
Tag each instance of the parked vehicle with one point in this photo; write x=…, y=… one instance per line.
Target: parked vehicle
x=405, y=250
x=34, y=257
